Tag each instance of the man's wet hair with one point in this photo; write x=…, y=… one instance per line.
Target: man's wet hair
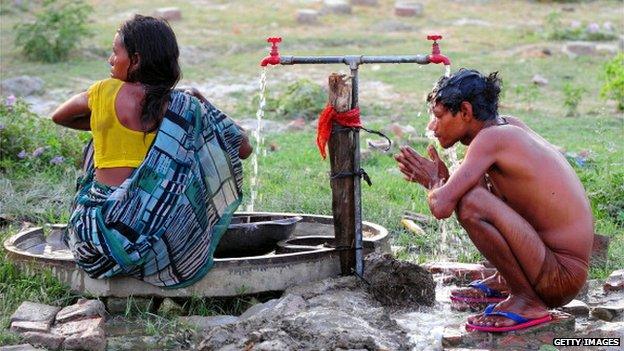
x=471, y=86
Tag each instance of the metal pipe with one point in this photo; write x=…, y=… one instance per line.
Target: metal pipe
x=354, y=59
x=357, y=182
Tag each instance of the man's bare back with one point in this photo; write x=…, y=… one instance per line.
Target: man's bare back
x=537, y=182
x=517, y=197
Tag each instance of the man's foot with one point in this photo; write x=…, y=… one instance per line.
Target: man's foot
x=511, y=314
x=491, y=287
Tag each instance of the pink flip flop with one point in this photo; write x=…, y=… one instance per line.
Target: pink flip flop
x=491, y=295
x=522, y=322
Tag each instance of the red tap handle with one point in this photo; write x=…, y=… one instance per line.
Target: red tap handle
x=435, y=48
x=274, y=45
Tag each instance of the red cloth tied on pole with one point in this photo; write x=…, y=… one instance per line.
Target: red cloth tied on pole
x=349, y=118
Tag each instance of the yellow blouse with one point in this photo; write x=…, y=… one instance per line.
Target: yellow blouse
x=115, y=145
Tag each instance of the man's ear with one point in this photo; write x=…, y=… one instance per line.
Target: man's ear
x=466, y=111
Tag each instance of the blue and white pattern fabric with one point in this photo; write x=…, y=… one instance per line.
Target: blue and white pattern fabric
x=162, y=224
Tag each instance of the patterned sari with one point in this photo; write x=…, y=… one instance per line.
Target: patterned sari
x=162, y=224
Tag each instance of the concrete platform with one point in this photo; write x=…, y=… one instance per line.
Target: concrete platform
x=33, y=250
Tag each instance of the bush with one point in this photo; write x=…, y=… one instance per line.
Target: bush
x=57, y=29
x=33, y=144
x=613, y=87
x=302, y=98
x=572, y=98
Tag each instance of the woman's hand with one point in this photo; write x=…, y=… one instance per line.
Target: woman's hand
x=430, y=173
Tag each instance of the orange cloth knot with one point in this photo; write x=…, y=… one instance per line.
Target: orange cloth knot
x=350, y=118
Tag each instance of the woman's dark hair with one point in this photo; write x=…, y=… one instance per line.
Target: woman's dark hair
x=158, y=71
x=471, y=86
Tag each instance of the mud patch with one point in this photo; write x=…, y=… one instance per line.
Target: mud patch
x=397, y=284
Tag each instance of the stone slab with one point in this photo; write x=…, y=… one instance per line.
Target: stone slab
x=26, y=326
x=608, y=311
x=21, y=347
x=35, y=312
x=48, y=340
x=408, y=9
x=365, y=2
x=205, y=323
x=615, y=282
x=90, y=340
x=306, y=16
x=77, y=327
x=577, y=308
x=82, y=309
x=341, y=7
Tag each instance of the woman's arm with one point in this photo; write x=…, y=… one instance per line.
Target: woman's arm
x=74, y=113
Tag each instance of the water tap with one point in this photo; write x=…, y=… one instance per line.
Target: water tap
x=435, y=56
x=274, y=56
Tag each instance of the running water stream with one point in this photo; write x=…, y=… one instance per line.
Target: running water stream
x=259, y=141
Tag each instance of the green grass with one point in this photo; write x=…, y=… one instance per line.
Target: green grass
x=294, y=178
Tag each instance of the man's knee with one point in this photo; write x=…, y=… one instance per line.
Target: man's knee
x=471, y=206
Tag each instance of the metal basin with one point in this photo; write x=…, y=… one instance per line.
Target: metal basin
x=253, y=235
x=39, y=248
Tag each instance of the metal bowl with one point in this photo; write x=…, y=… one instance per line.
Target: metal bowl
x=252, y=235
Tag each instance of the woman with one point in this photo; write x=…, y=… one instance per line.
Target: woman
x=166, y=173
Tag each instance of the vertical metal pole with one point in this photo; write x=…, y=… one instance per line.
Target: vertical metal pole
x=357, y=190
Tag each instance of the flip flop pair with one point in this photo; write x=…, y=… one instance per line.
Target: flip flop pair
x=521, y=322
x=491, y=295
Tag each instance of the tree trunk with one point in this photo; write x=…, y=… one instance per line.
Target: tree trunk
x=341, y=151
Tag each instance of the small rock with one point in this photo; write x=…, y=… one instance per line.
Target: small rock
x=575, y=49
x=170, y=308
x=615, y=282
x=26, y=326
x=90, y=340
x=257, y=308
x=169, y=13
x=206, y=323
x=608, y=312
x=34, y=312
x=412, y=227
x=451, y=337
x=341, y=7
x=83, y=308
x=364, y=2
x=48, y=340
x=539, y=80
x=271, y=345
x=379, y=144
x=21, y=86
x=577, y=308
x=408, y=9
x=307, y=16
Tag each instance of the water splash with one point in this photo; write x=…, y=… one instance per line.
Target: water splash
x=447, y=70
x=259, y=141
x=449, y=227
